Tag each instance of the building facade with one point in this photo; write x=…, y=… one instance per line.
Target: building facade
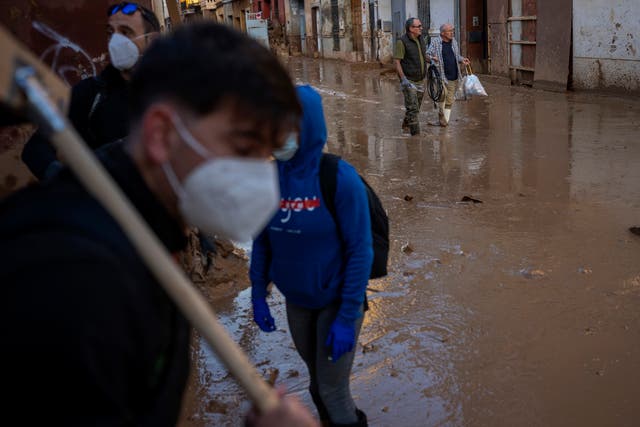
x=559, y=45
x=565, y=44
x=606, y=45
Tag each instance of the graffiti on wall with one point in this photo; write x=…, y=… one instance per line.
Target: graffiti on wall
x=59, y=49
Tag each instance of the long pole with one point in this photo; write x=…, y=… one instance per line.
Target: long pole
x=100, y=184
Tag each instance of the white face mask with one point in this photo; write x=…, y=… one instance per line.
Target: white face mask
x=289, y=149
x=123, y=52
x=231, y=197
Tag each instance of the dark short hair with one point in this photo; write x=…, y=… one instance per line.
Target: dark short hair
x=149, y=19
x=202, y=66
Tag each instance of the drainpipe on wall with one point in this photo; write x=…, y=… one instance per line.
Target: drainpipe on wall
x=287, y=22
x=378, y=29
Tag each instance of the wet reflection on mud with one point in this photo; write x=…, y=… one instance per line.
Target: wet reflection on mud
x=518, y=310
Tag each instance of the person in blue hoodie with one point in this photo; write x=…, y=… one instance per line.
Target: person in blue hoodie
x=321, y=266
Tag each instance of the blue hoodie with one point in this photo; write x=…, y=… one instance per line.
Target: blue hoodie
x=301, y=250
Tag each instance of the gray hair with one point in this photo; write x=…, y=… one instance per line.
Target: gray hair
x=443, y=26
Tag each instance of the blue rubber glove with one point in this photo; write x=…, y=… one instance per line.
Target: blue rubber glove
x=341, y=339
x=405, y=83
x=262, y=315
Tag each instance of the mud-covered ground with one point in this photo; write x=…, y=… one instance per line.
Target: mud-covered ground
x=518, y=308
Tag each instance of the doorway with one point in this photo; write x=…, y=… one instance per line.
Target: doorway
x=521, y=41
x=356, y=20
x=398, y=16
x=373, y=30
x=475, y=34
x=315, y=24
x=424, y=15
x=303, y=28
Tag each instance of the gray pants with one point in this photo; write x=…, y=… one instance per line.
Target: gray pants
x=329, y=385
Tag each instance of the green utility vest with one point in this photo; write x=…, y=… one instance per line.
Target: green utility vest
x=413, y=61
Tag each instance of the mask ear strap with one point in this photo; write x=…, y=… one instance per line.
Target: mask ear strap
x=188, y=138
x=173, y=180
x=148, y=35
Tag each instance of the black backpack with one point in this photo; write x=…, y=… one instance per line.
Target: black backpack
x=379, y=218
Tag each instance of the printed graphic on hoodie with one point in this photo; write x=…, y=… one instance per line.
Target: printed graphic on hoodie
x=298, y=204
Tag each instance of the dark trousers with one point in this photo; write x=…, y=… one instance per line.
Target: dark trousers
x=329, y=385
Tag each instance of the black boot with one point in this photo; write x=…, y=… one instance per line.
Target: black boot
x=405, y=126
x=415, y=129
x=362, y=421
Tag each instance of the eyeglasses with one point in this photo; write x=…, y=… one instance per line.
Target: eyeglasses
x=128, y=8
x=416, y=26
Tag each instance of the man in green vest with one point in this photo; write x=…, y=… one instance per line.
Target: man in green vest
x=411, y=67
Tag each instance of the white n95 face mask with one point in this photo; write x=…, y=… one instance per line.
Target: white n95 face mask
x=230, y=197
x=123, y=52
x=289, y=149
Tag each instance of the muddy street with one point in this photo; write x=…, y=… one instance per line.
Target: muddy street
x=519, y=305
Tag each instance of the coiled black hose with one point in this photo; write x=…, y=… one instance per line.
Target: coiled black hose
x=434, y=83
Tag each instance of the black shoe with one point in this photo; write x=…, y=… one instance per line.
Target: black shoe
x=635, y=230
x=415, y=129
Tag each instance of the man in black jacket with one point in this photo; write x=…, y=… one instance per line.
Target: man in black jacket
x=99, y=107
x=409, y=59
x=89, y=336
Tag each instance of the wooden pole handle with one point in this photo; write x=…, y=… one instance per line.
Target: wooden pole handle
x=20, y=89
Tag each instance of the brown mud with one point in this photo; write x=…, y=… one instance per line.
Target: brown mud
x=514, y=282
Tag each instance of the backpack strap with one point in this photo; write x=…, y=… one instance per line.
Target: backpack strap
x=328, y=186
x=329, y=181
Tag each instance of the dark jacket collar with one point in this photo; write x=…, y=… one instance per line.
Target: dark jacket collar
x=125, y=173
x=112, y=77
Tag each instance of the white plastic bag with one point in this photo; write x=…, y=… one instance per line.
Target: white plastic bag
x=472, y=85
x=460, y=95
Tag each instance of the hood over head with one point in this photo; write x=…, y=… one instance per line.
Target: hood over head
x=313, y=133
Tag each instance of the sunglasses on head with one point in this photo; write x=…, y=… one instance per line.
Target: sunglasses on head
x=124, y=7
x=128, y=8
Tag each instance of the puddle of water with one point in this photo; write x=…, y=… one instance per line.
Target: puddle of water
x=466, y=343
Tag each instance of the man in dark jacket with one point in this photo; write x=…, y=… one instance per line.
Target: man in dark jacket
x=89, y=336
x=99, y=107
x=409, y=59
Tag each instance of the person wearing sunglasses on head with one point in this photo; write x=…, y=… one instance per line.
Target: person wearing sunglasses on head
x=99, y=107
x=409, y=59
x=90, y=338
